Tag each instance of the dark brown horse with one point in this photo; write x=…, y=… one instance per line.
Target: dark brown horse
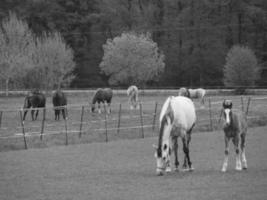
x=34, y=99
x=59, y=101
x=103, y=96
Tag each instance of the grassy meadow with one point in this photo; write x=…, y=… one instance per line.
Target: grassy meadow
x=122, y=123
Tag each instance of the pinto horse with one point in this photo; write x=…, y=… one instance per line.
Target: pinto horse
x=235, y=128
x=59, y=102
x=34, y=99
x=177, y=119
x=198, y=93
x=132, y=93
x=102, y=96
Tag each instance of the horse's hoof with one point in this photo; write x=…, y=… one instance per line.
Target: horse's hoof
x=238, y=168
x=191, y=169
x=223, y=170
x=159, y=173
x=245, y=168
x=168, y=170
x=176, y=169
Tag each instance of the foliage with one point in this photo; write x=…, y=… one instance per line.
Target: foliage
x=16, y=48
x=53, y=61
x=132, y=59
x=241, y=68
x=194, y=35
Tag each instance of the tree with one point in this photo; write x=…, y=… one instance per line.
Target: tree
x=132, y=59
x=16, y=48
x=241, y=68
x=53, y=61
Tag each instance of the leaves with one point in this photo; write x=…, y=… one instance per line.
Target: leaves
x=132, y=59
x=241, y=68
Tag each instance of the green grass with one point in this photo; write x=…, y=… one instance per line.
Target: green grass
x=94, y=128
x=125, y=169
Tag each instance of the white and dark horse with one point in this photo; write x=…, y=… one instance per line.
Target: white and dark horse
x=177, y=119
x=103, y=96
x=198, y=93
x=235, y=129
x=132, y=93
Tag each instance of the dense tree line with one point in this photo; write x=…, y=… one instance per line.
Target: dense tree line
x=194, y=36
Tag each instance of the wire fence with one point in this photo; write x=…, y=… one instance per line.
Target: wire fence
x=83, y=126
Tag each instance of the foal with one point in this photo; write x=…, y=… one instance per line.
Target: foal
x=235, y=128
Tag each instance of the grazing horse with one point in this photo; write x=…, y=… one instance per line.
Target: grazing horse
x=132, y=93
x=59, y=102
x=34, y=99
x=198, y=93
x=102, y=96
x=235, y=128
x=177, y=119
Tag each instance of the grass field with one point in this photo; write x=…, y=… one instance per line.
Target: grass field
x=94, y=129
x=125, y=169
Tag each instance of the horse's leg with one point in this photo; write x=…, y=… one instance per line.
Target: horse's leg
x=238, y=160
x=32, y=113
x=63, y=113
x=24, y=115
x=99, y=108
x=109, y=108
x=186, y=140
x=175, y=149
x=226, y=153
x=36, y=113
x=243, y=155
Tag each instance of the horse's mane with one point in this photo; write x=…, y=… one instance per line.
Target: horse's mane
x=164, y=119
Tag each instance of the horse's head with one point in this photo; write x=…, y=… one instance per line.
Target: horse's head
x=163, y=150
x=93, y=108
x=227, y=111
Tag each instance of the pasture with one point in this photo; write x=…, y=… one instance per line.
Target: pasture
x=83, y=126
x=125, y=169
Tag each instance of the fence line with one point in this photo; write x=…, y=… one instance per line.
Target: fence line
x=141, y=116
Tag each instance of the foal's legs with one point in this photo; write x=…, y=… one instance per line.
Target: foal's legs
x=243, y=155
x=226, y=153
x=238, y=161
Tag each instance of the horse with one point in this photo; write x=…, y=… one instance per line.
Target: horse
x=235, y=128
x=198, y=93
x=59, y=102
x=102, y=96
x=132, y=93
x=177, y=119
x=34, y=99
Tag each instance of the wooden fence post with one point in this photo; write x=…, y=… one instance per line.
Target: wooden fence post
x=141, y=119
x=1, y=115
x=248, y=103
x=23, y=130
x=155, y=114
x=66, y=132
x=81, y=124
x=119, y=120
x=242, y=103
x=43, y=122
x=106, y=126
x=211, y=125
